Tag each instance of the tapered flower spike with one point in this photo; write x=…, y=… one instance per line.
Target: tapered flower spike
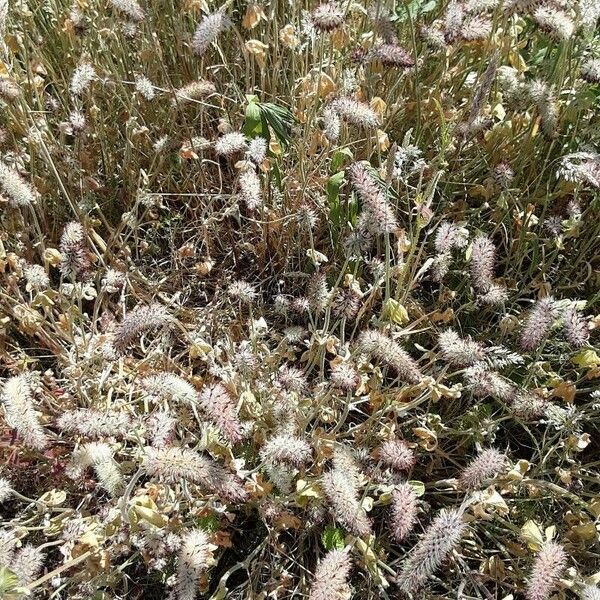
x=341, y=487
x=286, y=448
x=575, y=328
x=99, y=456
x=19, y=192
x=170, y=387
x=208, y=31
x=483, y=257
x=73, y=250
x=486, y=465
x=140, y=320
x=318, y=293
x=196, y=90
x=404, y=511
x=195, y=556
x=548, y=566
x=537, y=324
x=93, y=423
x=543, y=97
x=20, y=412
x=484, y=382
x=331, y=577
x=433, y=548
x=390, y=353
x=458, y=351
x=356, y=113
x=174, y=464
x=220, y=407
x=392, y=55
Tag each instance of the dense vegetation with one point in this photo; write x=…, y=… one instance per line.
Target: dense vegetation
x=299, y=300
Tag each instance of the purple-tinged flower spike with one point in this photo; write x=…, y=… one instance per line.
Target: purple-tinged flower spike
x=318, y=293
x=327, y=17
x=432, y=549
x=449, y=236
x=292, y=379
x=390, y=352
x=483, y=257
x=73, y=251
x=458, y=351
x=287, y=449
x=331, y=577
x=529, y=405
x=397, y=455
x=547, y=569
x=485, y=383
x=220, y=408
x=486, y=465
x=575, y=327
x=392, y=55
x=382, y=21
x=140, y=320
x=356, y=113
x=345, y=377
x=195, y=556
x=172, y=464
x=537, y=324
x=341, y=487
x=404, y=511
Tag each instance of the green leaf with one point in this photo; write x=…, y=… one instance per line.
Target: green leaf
x=333, y=186
x=333, y=538
x=339, y=158
x=418, y=488
x=209, y=523
x=9, y=582
x=586, y=358
x=394, y=311
x=280, y=119
x=253, y=124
